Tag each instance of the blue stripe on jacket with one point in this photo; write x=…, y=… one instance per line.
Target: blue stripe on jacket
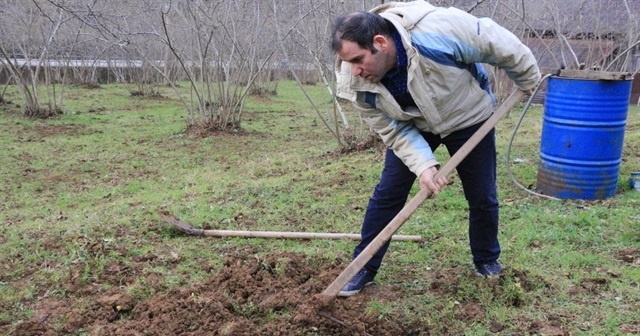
x=448, y=51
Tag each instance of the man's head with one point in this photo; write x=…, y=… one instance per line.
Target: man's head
x=364, y=40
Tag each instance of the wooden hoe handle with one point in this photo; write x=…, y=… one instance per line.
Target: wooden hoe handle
x=358, y=263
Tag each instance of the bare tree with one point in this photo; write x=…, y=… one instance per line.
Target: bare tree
x=221, y=60
x=320, y=66
x=26, y=51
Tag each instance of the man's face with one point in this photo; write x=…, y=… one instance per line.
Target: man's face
x=364, y=63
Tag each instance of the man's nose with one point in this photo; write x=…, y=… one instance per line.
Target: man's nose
x=356, y=70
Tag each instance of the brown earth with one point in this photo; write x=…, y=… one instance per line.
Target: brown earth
x=277, y=295
x=249, y=296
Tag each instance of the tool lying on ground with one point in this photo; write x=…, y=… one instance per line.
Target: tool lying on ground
x=358, y=263
x=187, y=228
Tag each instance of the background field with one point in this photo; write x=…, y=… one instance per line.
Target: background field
x=84, y=252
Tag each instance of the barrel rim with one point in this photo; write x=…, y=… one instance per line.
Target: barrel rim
x=593, y=75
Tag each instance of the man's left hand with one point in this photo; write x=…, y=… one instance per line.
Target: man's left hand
x=427, y=181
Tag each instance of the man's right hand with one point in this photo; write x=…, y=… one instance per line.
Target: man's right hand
x=427, y=181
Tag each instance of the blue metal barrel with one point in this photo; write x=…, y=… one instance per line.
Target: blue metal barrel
x=582, y=135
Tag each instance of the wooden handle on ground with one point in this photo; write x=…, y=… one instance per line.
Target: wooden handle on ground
x=358, y=263
x=295, y=235
x=188, y=229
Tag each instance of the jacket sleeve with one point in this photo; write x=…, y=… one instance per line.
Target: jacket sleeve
x=401, y=136
x=457, y=37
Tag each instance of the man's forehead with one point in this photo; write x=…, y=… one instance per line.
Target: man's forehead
x=351, y=51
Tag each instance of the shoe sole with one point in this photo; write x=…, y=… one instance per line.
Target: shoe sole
x=491, y=276
x=354, y=292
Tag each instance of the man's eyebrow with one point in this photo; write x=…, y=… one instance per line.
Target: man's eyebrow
x=355, y=59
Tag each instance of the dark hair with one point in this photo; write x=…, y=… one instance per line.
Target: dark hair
x=358, y=27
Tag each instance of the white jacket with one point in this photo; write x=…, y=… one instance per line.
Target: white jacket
x=445, y=47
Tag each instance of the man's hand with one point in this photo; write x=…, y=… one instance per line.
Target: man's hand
x=427, y=181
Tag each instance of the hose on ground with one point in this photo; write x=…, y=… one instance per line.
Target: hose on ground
x=513, y=135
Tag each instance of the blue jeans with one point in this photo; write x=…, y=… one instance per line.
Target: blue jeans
x=478, y=176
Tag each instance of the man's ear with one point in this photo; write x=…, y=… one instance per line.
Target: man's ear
x=381, y=42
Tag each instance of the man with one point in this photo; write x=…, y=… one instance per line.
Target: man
x=413, y=72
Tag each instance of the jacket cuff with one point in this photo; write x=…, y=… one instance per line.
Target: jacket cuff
x=424, y=166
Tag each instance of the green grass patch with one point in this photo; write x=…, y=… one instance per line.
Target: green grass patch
x=80, y=193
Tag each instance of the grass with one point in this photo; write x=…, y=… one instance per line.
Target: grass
x=80, y=195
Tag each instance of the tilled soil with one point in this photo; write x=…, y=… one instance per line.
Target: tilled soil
x=276, y=295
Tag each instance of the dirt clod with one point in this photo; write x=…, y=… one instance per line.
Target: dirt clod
x=310, y=308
